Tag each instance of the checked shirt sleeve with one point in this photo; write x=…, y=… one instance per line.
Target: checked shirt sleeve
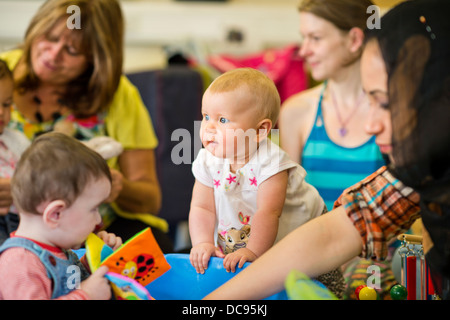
x=380, y=207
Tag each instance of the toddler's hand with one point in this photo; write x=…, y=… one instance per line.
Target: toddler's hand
x=110, y=239
x=240, y=256
x=97, y=286
x=200, y=255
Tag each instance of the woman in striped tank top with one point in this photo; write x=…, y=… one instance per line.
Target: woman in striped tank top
x=323, y=127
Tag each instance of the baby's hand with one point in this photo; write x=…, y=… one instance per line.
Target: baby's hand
x=97, y=286
x=200, y=255
x=240, y=256
x=110, y=239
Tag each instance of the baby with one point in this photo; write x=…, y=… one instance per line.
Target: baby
x=247, y=194
x=57, y=187
x=12, y=144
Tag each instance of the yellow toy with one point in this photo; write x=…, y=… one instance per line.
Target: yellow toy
x=133, y=266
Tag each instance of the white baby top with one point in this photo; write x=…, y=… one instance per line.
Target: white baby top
x=235, y=194
x=12, y=144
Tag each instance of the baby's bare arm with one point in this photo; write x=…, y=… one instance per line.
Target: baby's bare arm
x=202, y=219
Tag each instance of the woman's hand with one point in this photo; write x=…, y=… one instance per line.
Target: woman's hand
x=116, y=185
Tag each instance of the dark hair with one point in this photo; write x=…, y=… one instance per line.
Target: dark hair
x=55, y=166
x=413, y=40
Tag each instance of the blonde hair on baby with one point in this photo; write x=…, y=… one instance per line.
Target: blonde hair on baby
x=258, y=85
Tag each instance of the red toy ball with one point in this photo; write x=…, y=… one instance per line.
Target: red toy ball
x=358, y=289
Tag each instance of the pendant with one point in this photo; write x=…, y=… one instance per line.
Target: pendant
x=342, y=132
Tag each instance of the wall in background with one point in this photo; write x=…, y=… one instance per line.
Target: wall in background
x=198, y=27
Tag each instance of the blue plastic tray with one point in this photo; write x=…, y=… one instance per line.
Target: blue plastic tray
x=182, y=282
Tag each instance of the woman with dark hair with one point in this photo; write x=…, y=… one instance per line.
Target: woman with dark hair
x=405, y=71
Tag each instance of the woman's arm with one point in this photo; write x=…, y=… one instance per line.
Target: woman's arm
x=140, y=191
x=314, y=248
x=290, y=138
x=296, y=120
x=129, y=123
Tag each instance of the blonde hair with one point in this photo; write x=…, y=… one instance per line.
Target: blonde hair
x=55, y=167
x=101, y=35
x=259, y=86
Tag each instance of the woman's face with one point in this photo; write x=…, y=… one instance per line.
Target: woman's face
x=324, y=47
x=56, y=58
x=374, y=80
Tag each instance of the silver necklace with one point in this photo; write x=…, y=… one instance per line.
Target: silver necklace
x=343, y=123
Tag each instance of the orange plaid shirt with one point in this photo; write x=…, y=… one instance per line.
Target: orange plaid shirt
x=380, y=207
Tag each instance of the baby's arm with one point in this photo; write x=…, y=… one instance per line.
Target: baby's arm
x=202, y=219
x=270, y=202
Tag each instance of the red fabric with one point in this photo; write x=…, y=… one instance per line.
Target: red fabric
x=411, y=274
x=284, y=66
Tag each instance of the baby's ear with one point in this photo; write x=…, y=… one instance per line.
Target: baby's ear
x=264, y=128
x=52, y=212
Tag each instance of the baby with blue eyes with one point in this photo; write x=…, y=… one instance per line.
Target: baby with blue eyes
x=247, y=194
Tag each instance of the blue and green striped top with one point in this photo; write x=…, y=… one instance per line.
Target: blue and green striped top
x=332, y=168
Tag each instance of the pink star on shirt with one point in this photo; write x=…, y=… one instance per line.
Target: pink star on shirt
x=216, y=183
x=231, y=179
x=253, y=181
